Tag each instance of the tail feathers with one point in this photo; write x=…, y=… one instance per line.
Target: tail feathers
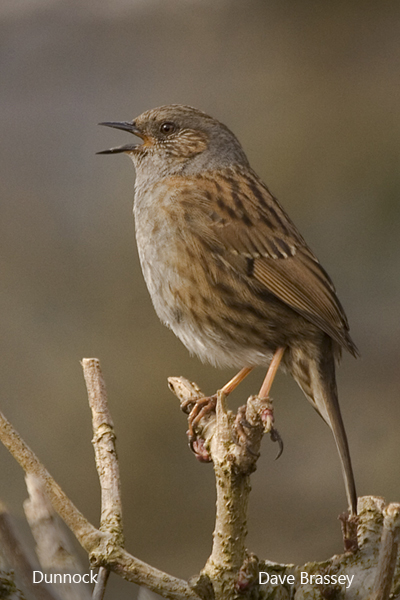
x=317, y=380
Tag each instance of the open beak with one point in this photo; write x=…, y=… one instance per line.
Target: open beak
x=125, y=126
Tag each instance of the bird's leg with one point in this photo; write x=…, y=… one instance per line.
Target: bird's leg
x=267, y=414
x=270, y=376
x=234, y=382
x=207, y=404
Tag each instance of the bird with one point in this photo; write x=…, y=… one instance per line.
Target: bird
x=226, y=268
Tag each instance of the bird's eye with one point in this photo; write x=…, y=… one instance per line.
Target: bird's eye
x=167, y=127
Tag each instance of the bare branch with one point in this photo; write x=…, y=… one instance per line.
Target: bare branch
x=388, y=553
x=105, y=451
x=233, y=445
x=106, y=462
x=100, y=587
x=52, y=546
x=84, y=532
x=18, y=560
x=233, y=488
x=101, y=550
x=136, y=571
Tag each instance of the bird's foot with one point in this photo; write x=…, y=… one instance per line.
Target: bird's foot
x=201, y=408
x=266, y=413
x=242, y=428
x=198, y=447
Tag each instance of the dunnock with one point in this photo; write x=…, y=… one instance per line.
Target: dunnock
x=226, y=268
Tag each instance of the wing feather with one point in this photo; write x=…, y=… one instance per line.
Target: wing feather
x=240, y=220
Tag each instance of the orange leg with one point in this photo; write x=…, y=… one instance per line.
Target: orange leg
x=206, y=405
x=270, y=376
x=234, y=382
x=267, y=415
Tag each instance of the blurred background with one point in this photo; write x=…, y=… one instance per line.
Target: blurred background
x=312, y=91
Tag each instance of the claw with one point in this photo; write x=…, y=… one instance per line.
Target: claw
x=275, y=437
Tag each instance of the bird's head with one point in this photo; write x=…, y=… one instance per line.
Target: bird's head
x=178, y=139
